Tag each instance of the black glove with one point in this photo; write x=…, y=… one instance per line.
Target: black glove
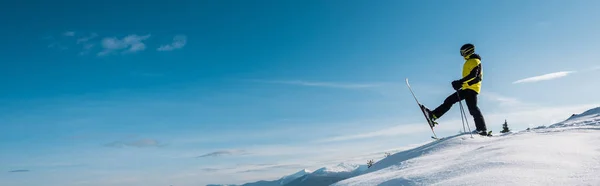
x=457, y=84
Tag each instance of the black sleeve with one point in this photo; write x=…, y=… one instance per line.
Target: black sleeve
x=475, y=73
x=476, y=80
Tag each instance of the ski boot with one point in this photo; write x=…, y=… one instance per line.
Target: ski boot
x=429, y=116
x=483, y=132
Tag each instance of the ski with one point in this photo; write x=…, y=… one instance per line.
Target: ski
x=431, y=123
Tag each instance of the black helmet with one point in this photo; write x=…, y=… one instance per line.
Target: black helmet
x=467, y=49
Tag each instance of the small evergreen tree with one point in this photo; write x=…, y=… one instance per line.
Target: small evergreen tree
x=369, y=163
x=505, y=128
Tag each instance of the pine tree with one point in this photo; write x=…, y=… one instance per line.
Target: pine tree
x=505, y=128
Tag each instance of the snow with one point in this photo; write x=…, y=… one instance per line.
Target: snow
x=290, y=178
x=564, y=153
x=329, y=175
x=589, y=113
x=283, y=181
x=341, y=168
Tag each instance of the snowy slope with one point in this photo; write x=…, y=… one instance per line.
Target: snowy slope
x=566, y=153
x=589, y=113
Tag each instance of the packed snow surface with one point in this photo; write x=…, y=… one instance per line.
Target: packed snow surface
x=566, y=153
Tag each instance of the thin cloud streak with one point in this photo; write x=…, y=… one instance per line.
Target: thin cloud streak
x=504, y=101
x=223, y=153
x=545, y=77
x=17, y=171
x=86, y=39
x=136, y=143
x=394, y=131
x=324, y=84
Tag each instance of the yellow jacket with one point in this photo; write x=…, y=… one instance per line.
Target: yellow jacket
x=472, y=73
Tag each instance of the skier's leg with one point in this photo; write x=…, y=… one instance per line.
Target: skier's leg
x=471, y=100
x=444, y=107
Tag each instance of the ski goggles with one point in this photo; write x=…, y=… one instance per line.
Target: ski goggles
x=465, y=52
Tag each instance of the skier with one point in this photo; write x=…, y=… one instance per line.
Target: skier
x=466, y=88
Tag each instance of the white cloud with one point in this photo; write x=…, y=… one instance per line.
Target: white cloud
x=137, y=47
x=129, y=44
x=86, y=49
x=69, y=34
x=57, y=45
x=88, y=46
x=324, y=84
x=86, y=39
x=544, y=77
x=179, y=41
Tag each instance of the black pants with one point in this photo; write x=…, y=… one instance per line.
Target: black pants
x=470, y=97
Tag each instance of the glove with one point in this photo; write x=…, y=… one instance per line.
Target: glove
x=457, y=84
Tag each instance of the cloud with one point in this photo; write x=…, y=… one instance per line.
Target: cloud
x=58, y=46
x=69, y=34
x=249, y=168
x=86, y=39
x=179, y=41
x=223, y=153
x=17, y=171
x=269, y=167
x=545, y=77
x=86, y=49
x=129, y=44
x=503, y=100
x=210, y=169
x=323, y=84
x=393, y=131
x=136, y=143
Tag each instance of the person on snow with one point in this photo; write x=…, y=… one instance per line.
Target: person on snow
x=467, y=88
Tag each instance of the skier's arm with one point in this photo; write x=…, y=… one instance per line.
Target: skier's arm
x=475, y=75
x=476, y=79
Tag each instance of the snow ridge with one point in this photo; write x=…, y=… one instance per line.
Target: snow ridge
x=287, y=179
x=329, y=175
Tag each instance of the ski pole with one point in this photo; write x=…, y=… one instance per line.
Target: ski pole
x=462, y=113
x=466, y=120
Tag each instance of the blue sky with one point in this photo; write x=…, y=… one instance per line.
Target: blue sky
x=199, y=92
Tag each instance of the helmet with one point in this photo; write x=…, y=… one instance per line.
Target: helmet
x=467, y=49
